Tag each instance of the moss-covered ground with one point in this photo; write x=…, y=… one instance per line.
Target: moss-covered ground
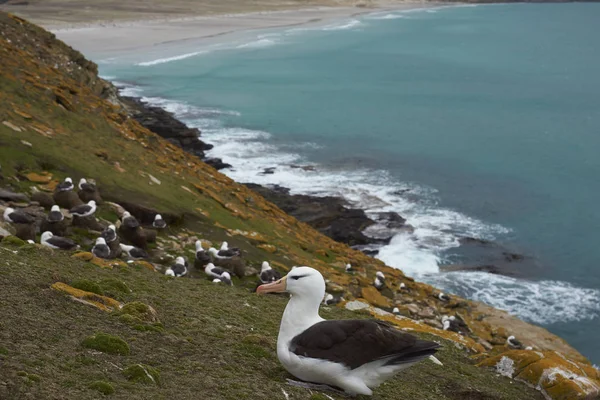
x=218, y=342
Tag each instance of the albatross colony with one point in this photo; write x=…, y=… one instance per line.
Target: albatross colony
x=354, y=355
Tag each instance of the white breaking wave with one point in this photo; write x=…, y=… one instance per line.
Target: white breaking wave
x=389, y=16
x=353, y=23
x=257, y=44
x=418, y=253
x=170, y=59
x=541, y=302
x=127, y=89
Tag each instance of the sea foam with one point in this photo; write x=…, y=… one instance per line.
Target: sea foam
x=418, y=254
x=170, y=59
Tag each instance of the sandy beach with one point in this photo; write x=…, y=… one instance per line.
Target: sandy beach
x=122, y=36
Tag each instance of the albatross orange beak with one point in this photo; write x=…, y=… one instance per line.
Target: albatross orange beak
x=275, y=287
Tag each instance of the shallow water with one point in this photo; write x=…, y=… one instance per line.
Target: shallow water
x=468, y=121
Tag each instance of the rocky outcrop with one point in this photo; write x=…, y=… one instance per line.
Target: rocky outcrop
x=329, y=215
x=481, y=255
x=166, y=125
x=549, y=372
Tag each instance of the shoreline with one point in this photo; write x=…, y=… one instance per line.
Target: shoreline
x=113, y=39
x=332, y=215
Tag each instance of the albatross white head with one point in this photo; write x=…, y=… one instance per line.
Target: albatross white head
x=307, y=288
x=7, y=212
x=46, y=236
x=199, y=246
x=265, y=266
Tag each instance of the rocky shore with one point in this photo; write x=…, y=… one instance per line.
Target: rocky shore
x=331, y=215
x=167, y=126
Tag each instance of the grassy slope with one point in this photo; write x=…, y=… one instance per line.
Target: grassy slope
x=218, y=342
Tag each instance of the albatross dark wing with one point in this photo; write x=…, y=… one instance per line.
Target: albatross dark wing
x=62, y=242
x=81, y=209
x=358, y=342
x=88, y=187
x=20, y=217
x=229, y=253
x=269, y=275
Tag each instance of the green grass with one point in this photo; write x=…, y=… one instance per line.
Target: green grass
x=218, y=342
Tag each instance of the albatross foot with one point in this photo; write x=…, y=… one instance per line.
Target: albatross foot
x=316, y=386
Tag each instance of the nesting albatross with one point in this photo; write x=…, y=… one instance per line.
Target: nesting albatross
x=177, y=270
x=268, y=274
x=159, y=222
x=129, y=221
x=17, y=216
x=55, y=215
x=65, y=185
x=57, y=242
x=109, y=234
x=134, y=252
x=354, y=355
x=84, y=210
x=222, y=254
x=101, y=249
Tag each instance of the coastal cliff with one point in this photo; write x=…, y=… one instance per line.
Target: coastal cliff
x=58, y=119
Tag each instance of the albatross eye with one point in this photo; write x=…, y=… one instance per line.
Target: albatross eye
x=296, y=277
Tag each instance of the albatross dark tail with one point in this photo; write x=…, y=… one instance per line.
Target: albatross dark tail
x=415, y=353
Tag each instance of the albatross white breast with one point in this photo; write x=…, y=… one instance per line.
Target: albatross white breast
x=354, y=355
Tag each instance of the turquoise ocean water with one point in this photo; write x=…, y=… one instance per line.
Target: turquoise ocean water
x=478, y=121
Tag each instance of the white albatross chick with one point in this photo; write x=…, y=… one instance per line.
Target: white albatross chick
x=354, y=355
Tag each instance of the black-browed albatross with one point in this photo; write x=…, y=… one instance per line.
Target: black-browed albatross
x=55, y=215
x=109, y=234
x=129, y=221
x=84, y=210
x=101, y=249
x=86, y=186
x=354, y=355
x=57, y=242
x=134, y=252
x=65, y=185
x=268, y=274
x=177, y=270
x=17, y=216
x=159, y=222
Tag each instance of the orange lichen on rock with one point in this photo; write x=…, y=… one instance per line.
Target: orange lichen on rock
x=372, y=295
x=101, y=302
x=44, y=177
x=269, y=248
x=84, y=256
x=250, y=235
x=87, y=256
x=549, y=372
